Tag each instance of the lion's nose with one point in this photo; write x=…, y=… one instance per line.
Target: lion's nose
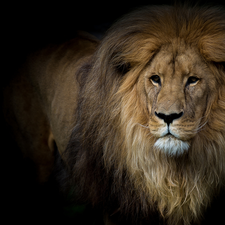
x=169, y=118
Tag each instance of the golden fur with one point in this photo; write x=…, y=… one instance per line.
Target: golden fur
x=112, y=158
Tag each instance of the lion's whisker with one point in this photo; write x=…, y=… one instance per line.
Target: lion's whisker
x=201, y=126
x=148, y=134
x=143, y=125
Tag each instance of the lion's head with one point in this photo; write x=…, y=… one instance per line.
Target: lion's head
x=150, y=131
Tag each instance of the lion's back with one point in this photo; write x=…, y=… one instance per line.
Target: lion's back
x=40, y=100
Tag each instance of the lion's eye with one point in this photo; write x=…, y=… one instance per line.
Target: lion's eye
x=155, y=79
x=192, y=80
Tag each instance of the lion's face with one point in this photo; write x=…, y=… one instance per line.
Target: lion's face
x=177, y=84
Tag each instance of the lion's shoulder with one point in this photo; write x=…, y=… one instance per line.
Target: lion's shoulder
x=42, y=96
x=53, y=73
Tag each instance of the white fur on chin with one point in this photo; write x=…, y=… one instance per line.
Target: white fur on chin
x=171, y=145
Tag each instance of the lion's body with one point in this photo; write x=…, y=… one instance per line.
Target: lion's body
x=141, y=127
x=42, y=98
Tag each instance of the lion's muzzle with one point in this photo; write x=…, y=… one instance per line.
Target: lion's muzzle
x=169, y=140
x=169, y=118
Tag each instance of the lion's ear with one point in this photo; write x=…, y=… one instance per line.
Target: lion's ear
x=213, y=48
x=123, y=68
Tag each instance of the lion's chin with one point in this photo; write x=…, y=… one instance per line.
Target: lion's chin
x=171, y=145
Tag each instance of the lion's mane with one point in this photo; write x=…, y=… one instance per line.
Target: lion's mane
x=110, y=157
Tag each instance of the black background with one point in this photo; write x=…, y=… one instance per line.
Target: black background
x=27, y=26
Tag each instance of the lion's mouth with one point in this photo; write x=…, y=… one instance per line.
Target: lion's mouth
x=171, y=145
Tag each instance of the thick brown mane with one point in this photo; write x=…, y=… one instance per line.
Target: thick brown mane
x=110, y=156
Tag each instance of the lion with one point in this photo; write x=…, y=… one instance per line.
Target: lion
x=138, y=118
